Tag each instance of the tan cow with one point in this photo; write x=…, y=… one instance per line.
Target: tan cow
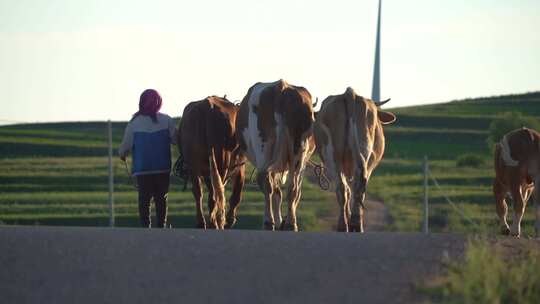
x=350, y=141
x=517, y=172
x=209, y=150
x=274, y=129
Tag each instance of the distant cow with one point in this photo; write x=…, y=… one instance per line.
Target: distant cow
x=350, y=141
x=274, y=129
x=210, y=153
x=517, y=172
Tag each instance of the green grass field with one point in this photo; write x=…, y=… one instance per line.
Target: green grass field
x=56, y=173
x=443, y=132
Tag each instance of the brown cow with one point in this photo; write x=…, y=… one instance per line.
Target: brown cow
x=275, y=131
x=350, y=141
x=517, y=172
x=207, y=143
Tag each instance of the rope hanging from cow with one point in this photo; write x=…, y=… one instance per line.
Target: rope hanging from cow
x=251, y=180
x=180, y=171
x=233, y=170
x=133, y=182
x=183, y=172
x=318, y=170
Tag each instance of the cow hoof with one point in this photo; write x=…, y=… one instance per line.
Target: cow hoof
x=505, y=230
x=212, y=225
x=282, y=225
x=268, y=226
x=342, y=228
x=355, y=228
x=515, y=231
x=230, y=223
x=289, y=227
x=515, y=234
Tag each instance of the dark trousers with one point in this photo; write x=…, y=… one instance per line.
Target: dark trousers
x=153, y=186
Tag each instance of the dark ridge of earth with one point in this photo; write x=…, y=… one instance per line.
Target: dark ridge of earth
x=129, y=265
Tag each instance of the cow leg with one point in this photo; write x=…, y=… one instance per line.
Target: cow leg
x=537, y=220
x=526, y=192
x=519, y=209
x=295, y=188
x=358, y=197
x=293, y=199
x=348, y=204
x=536, y=198
x=276, y=201
x=212, y=210
x=264, y=181
x=197, y=193
x=499, y=191
x=294, y=192
x=356, y=223
x=236, y=197
x=343, y=198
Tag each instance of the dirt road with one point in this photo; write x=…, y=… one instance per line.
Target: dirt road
x=103, y=265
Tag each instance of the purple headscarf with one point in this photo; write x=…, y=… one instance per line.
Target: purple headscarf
x=149, y=104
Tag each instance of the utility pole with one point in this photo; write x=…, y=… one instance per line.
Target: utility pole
x=426, y=196
x=376, y=89
x=111, y=175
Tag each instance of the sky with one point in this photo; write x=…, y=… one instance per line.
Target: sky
x=71, y=60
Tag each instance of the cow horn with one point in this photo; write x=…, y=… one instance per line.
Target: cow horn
x=380, y=103
x=316, y=102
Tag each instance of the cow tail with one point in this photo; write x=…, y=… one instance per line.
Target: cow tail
x=497, y=158
x=218, y=215
x=506, y=153
x=180, y=168
x=353, y=111
x=348, y=114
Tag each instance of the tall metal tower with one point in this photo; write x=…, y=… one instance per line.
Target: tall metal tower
x=376, y=89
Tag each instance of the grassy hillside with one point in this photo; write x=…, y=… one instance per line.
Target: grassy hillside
x=444, y=132
x=56, y=173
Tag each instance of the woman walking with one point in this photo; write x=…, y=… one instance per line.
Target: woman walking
x=149, y=135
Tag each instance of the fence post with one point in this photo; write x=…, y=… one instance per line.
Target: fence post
x=111, y=177
x=426, y=203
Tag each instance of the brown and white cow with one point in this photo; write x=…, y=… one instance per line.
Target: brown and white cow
x=350, y=141
x=517, y=172
x=207, y=143
x=274, y=129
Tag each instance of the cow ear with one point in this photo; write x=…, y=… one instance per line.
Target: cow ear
x=386, y=117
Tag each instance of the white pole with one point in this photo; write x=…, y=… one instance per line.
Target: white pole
x=111, y=177
x=426, y=203
x=376, y=89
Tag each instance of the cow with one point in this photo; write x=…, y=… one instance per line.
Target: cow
x=209, y=153
x=274, y=130
x=350, y=142
x=517, y=172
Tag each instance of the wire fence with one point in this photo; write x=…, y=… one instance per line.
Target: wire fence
x=318, y=172
x=428, y=175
